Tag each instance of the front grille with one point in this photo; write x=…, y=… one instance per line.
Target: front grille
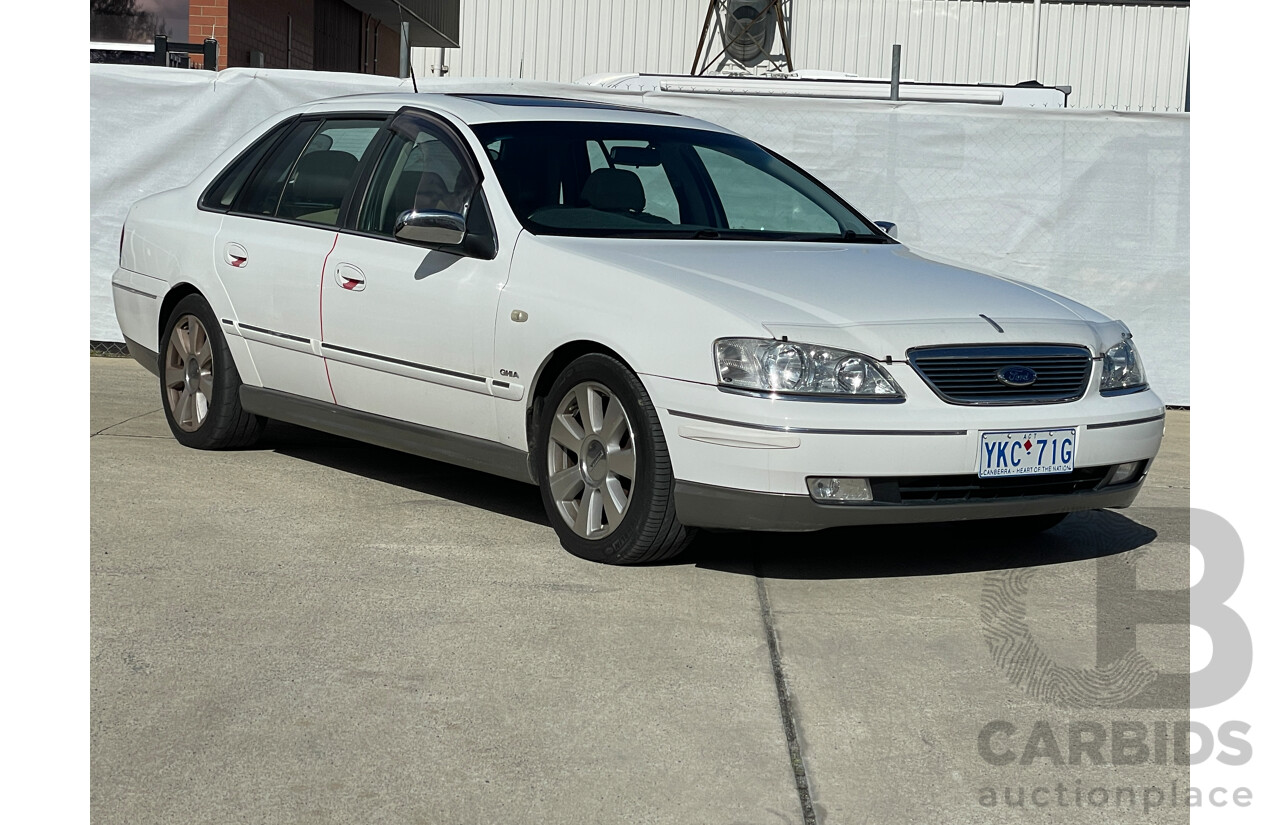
x=954, y=489
x=968, y=375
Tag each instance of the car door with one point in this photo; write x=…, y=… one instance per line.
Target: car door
x=271, y=248
x=407, y=329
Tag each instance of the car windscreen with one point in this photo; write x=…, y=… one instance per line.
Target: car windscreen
x=604, y=179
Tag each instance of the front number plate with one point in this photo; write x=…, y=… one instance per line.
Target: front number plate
x=1024, y=453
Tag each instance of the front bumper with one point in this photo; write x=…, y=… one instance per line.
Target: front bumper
x=701, y=505
x=742, y=461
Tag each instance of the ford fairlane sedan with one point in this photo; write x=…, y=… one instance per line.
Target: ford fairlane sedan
x=663, y=325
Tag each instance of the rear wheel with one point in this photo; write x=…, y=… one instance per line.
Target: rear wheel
x=199, y=383
x=603, y=467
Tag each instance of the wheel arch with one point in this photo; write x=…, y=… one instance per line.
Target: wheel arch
x=240, y=355
x=551, y=367
x=649, y=529
x=171, y=299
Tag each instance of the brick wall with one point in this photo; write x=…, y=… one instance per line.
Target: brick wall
x=337, y=36
x=380, y=53
x=326, y=34
x=388, y=49
x=208, y=18
x=283, y=30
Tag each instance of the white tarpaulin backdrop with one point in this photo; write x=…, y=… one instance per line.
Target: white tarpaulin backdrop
x=1091, y=204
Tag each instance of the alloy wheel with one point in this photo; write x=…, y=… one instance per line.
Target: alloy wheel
x=188, y=373
x=591, y=460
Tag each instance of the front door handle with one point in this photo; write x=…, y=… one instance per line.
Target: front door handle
x=235, y=255
x=349, y=277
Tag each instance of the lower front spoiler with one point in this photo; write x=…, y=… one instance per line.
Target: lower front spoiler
x=723, y=508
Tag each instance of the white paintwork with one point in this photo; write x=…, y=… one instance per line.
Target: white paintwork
x=784, y=470
x=657, y=304
x=277, y=288
x=422, y=307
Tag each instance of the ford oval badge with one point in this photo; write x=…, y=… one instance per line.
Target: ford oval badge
x=1015, y=375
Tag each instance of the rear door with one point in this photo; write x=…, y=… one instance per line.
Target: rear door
x=274, y=241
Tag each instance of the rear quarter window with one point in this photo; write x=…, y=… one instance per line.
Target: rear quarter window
x=224, y=189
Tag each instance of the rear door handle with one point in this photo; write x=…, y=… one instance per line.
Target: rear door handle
x=349, y=277
x=235, y=255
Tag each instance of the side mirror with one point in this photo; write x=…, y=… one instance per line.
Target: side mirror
x=889, y=228
x=431, y=227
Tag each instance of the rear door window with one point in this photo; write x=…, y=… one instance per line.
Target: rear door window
x=309, y=175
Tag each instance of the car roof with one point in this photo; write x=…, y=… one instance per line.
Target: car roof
x=490, y=107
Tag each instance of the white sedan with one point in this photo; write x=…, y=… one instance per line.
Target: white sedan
x=662, y=324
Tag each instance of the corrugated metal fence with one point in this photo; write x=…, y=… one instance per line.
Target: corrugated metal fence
x=1128, y=56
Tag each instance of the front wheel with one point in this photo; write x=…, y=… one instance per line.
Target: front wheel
x=199, y=383
x=603, y=467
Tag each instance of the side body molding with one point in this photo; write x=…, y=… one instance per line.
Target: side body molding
x=428, y=442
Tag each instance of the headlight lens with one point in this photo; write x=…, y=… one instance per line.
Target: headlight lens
x=1122, y=368
x=785, y=367
x=790, y=367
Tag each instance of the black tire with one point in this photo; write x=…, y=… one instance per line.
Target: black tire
x=582, y=467
x=199, y=383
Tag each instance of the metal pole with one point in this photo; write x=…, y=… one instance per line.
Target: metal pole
x=786, y=39
x=404, y=50
x=706, y=24
x=897, y=71
x=1186, y=104
x=1035, y=47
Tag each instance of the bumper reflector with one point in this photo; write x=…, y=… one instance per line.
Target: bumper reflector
x=829, y=490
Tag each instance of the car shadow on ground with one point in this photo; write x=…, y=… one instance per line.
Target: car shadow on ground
x=433, y=478
x=917, y=549
x=839, y=553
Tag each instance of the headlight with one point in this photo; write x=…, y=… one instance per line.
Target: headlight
x=765, y=365
x=1122, y=369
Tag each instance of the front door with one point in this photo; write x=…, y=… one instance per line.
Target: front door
x=407, y=330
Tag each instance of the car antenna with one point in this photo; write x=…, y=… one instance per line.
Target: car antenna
x=404, y=33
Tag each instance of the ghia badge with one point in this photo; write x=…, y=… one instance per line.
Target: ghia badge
x=1015, y=375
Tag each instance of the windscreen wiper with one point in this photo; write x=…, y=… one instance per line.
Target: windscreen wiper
x=849, y=236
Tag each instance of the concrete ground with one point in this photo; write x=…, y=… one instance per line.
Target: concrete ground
x=319, y=631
